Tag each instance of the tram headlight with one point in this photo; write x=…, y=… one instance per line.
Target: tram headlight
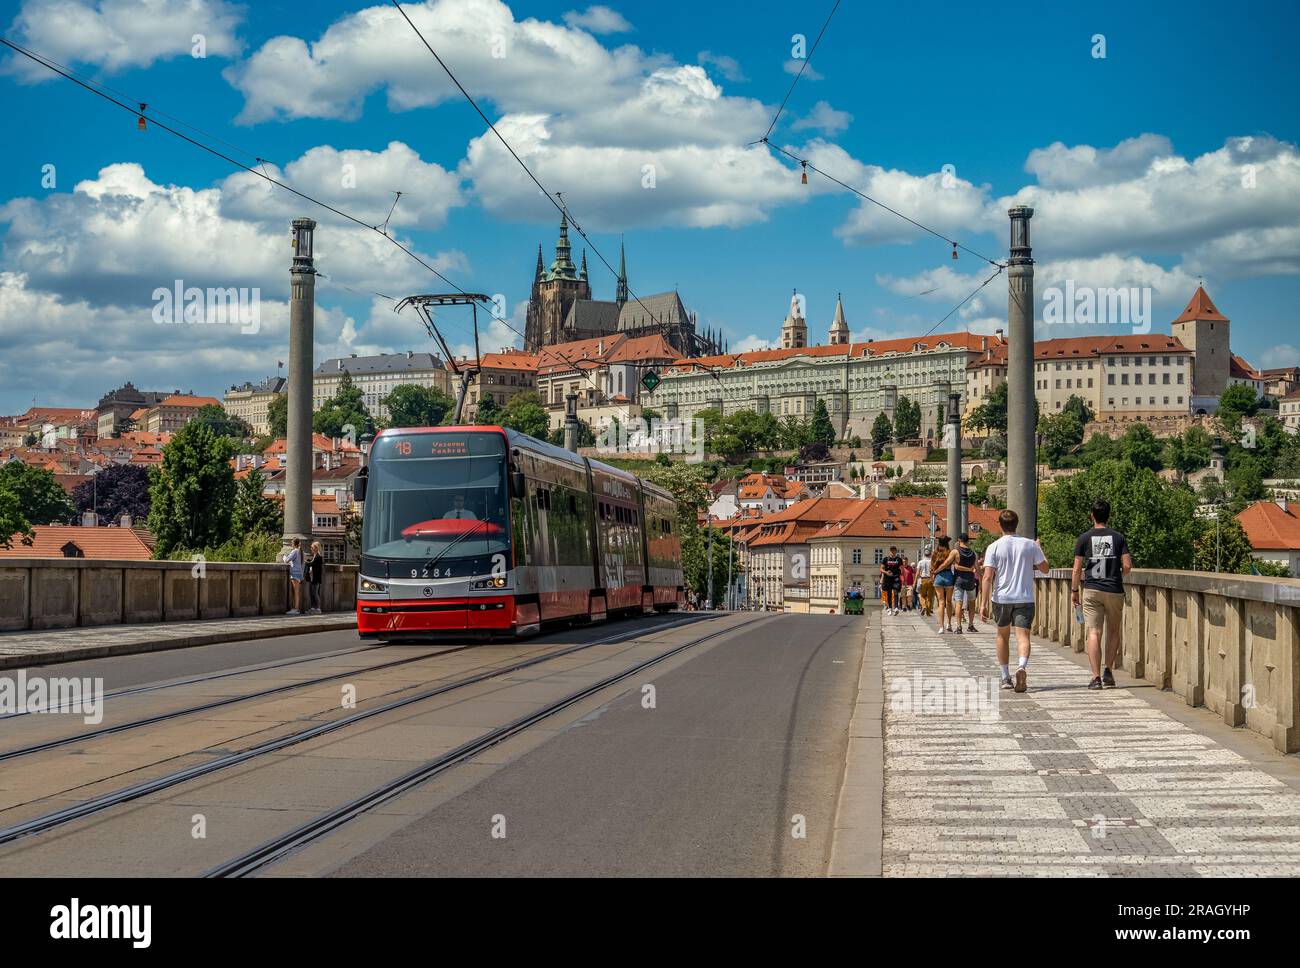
x=372, y=586
x=497, y=581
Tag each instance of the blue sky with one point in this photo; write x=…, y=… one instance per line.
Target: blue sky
x=1172, y=157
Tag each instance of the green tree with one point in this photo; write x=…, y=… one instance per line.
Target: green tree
x=1140, y=447
x=487, y=413
x=1061, y=434
x=1098, y=447
x=410, y=405
x=345, y=409
x=1212, y=490
x=1190, y=451
x=192, y=491
x=253, y=512
x=823, y=432
x=1079, y=407
x=907, y=420
x=1225, y=548
x=1159, y=519
x=882, y=432
x=1245, y=481
x=41, y=499
x=116, y=490
x=277, y=416
x=1235, y=403
x=222, y=423
x=524, y=412
x=13, y=524
x=991, y=415
x=795, y=432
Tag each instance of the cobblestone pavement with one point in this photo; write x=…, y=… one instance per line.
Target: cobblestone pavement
x=1059, y=781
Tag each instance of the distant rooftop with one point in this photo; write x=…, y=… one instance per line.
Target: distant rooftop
x=383, y=363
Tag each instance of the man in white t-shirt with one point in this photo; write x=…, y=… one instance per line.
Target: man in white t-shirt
x=1009, y=567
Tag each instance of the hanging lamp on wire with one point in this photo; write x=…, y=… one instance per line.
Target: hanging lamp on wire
x=954, y=252
x=140, y=124
x=804, y=176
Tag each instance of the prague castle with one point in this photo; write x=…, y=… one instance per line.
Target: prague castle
x=561, y=310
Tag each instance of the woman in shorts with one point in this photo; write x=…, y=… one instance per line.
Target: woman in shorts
x=944, y=580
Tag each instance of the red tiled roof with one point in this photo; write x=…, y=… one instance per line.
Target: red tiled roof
x=1201, y=308
x=186, y=400
x=104, y=544
x=652, y=347
x=909, y=517
x=967, y=341
x=1269, y=528
x=1241, y=370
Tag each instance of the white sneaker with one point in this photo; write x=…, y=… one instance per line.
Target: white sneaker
x=293, y=611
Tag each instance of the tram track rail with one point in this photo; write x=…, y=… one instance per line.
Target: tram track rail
x=219, y=704
x=96, y=805
x=276, y=849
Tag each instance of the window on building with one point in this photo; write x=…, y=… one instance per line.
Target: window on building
x=857, y=556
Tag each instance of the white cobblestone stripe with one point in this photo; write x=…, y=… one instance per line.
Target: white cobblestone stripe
x=1060, y=781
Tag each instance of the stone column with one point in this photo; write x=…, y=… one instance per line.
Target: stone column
x=302, y=306
x=952, y=440
x=1022, y=404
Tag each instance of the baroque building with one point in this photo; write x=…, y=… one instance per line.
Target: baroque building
x=561, y=308
x=856, y=381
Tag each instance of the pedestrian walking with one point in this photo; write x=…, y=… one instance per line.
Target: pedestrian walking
x=1101, y=560
x=944, y=580
x=891, y=578
x=925, y=585
x=1009, y=567
x=293, y=558
x=966, y=583
x=315, y=577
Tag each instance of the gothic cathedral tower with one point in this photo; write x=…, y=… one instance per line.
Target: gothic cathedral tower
x=554, y=293
x=794, y=331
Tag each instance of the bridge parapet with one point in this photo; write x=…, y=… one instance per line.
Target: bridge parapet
x=1230, y=643
x=55, y=593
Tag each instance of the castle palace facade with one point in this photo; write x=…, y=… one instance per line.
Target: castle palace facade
x=561, y=310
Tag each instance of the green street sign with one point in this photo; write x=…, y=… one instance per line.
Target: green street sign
x=651, y=380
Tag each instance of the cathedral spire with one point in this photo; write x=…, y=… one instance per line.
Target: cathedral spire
x=563, y=267
x=840, y=325
x=620, y=294
x=537, y=277
x=583, y=273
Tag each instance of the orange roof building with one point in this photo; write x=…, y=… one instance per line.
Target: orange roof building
x=103, y=544
x=1273, y=529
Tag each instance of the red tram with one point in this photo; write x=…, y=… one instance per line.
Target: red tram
x=471, y=529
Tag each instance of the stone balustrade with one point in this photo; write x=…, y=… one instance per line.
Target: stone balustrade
x=54, y=593
x=1230, y=643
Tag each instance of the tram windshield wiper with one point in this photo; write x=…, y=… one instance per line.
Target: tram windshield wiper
x=455, y=541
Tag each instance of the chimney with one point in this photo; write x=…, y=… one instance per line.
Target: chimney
x=89, y=519
x=1283, y=504
x=984, y=344
x=126, y=521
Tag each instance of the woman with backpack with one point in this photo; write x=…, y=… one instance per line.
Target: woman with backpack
x=944, y=580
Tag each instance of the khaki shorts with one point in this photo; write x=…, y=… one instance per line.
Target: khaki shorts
x=1102, y=610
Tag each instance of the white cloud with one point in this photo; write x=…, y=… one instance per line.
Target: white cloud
x=825, y=119
x=119, y=34
x=1282, y=355
x=794, y=65
x=1058, y=166
x=522, y=66
x=598, y=19
x=727, y=66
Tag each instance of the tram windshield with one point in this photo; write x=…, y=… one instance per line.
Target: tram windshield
x=436, y=496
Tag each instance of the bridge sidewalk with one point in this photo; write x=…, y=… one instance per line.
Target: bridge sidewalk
x=33, y=648
x=1059, y=781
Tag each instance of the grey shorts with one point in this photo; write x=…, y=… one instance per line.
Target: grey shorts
x=1020, y=615
x=963, y=596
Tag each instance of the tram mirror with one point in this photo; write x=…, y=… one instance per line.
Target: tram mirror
x=359, y=485
x=517, y=484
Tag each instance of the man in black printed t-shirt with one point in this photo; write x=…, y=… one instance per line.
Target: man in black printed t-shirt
x=1101, y=560
x=891, y=577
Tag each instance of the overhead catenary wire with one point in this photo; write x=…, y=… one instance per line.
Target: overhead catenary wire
x=550, y=196
x=802, y=67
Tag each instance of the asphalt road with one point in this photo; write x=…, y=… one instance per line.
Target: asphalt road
x=745, y=737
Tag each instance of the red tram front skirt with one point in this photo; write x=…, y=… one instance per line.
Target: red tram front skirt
x=379, y=618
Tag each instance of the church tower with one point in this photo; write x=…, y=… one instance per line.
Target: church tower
x=554, y=292
x=794, y=331
x=1204, y=331
x=840, y=325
